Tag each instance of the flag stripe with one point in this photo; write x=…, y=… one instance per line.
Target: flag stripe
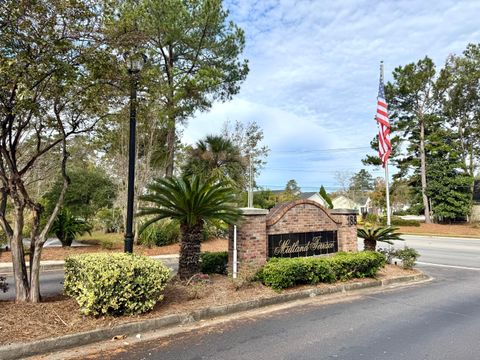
x=384, y=145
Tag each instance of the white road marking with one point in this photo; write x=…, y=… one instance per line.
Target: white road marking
x=448, y=266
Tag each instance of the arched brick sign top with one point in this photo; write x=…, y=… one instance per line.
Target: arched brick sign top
x=276, y=214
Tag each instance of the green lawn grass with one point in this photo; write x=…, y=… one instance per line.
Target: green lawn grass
x=97, y=237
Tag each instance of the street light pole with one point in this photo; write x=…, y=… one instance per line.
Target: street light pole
x=135, y=63
x=131, y=163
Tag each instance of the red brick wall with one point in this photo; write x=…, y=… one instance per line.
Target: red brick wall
x=300, y=216
x=251, y=245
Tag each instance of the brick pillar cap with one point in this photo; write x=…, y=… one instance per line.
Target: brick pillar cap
x=344, y=212
x=253, y=211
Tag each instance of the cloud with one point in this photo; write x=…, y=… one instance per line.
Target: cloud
x=314, y=74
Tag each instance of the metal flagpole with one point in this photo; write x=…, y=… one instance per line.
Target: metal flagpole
x=250, y=184
x=387, y=193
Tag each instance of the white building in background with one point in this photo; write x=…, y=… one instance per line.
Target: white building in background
x=363, y=205
x=314, y=196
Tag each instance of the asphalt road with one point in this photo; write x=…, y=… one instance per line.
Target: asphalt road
x=446, y=251
x=435, y=320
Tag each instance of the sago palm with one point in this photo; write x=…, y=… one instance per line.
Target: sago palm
x=383, y=233
x=192, y=201
x=67, y=227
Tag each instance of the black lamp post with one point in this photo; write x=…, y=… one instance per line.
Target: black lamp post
x=135, y=62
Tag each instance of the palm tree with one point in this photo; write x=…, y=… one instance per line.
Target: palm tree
x=371, y=235
x=217, y=156
x=192, y=201
x=67, y=227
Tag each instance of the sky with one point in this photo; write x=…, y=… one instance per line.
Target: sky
x=314, y=72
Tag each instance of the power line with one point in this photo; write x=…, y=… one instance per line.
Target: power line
x=322, y=150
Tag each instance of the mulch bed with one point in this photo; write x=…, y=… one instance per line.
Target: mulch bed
x=59, y=253
x=59, y=316
x=442, y=229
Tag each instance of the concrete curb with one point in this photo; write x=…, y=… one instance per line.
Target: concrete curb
x=49, y=265
x=21, y=350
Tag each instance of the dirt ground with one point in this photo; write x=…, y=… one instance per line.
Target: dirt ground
x=464, y=230
x=60, y=315
x=61, y=253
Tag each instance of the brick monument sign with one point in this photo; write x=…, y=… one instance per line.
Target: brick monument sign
x=292, y=229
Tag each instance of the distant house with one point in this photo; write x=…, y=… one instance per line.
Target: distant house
x=314, y=196
x=363, y=204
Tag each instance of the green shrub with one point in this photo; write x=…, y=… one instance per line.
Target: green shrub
x=281, y=273
x=109, y=220
x=160, y=233
x=214, y=262
x=214, y=229
x=398, y=221
x=107, y=244
x=408, y=256
x=115, y=284
x=67, y=227
x=389, y=253
x=371, y=218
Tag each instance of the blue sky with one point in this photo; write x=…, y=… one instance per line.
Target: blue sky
x=313, y=77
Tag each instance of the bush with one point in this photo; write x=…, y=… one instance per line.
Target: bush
x=214, y=229
x=371, y=218
x=214, y=262
x=109, y=220
x=281, y=273
x=389, y=254
x=115, y=284
x=408, y=256
x=67, y=227
x=160, y=233
x=107, y=244
x=397, y=221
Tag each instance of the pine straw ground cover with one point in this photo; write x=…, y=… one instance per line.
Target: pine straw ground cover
x=463, y=230
x=60, y=315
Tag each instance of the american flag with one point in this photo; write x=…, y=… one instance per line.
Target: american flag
x=384, y=145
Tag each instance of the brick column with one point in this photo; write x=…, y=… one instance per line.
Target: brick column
x=347, y=229
x=251, y=242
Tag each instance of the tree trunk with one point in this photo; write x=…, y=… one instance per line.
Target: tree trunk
x=423, y=173
x=189, y=261
x=370, y=244
x=171, y=135
x=18, y=257
x=35, y=274
x=171, y=139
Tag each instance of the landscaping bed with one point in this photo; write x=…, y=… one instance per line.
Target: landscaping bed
x=60, y=315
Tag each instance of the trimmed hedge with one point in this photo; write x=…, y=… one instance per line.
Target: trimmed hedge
x=214, y=262
x=397, y=221
x=160, y=233
x=115, y=284
x=281, y=273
